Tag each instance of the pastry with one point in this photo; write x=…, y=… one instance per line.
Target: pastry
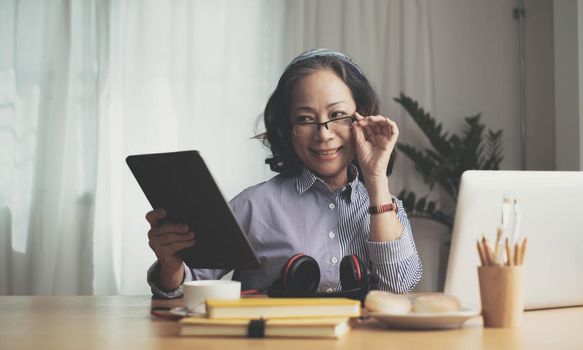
x=436, y=303
x=385, y=302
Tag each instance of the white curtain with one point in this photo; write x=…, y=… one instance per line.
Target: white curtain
x=83, y=84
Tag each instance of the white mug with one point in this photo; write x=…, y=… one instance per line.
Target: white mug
x=197, y=292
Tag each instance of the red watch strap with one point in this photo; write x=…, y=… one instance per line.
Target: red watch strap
x=382, y=208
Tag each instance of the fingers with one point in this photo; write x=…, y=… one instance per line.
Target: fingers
x=365, y=124
x=392, y=130
x=170, y=249
x=154, y=215
x=167, y=239
x=167, y=244
x=359, y=133
x=171, y=238
x=172, y=228
x=377, y=125
x=157, y=231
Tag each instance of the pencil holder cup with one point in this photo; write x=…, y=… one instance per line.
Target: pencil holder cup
x=502, y=295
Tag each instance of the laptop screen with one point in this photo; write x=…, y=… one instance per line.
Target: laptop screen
x=551, y=206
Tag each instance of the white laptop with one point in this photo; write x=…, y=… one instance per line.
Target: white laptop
x=551, y=206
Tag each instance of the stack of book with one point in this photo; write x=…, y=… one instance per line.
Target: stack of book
x=277, y=317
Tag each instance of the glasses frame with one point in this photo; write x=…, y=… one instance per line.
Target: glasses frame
x=324, y=124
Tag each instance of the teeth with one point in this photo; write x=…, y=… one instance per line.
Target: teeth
x=327, y=153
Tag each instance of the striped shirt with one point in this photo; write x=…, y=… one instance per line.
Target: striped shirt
x=289, y=215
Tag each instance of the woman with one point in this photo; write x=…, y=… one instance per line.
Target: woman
x=331, y=197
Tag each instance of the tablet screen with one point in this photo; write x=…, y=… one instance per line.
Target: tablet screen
x=181, y=183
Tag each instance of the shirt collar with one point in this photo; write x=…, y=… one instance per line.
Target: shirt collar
x=306, y=179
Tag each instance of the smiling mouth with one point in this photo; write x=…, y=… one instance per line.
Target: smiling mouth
x=327, y=153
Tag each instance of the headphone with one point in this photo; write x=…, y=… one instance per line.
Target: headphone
x=300, y=277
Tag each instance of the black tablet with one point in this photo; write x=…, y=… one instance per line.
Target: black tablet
x=181, y=183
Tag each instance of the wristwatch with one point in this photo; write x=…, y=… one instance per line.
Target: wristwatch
x=382, y=208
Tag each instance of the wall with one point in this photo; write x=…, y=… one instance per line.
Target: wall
x=580, y=45
x=568, y=79
x=540, y=86
x=476, y=70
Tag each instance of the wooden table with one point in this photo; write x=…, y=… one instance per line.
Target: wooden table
x=124, y=322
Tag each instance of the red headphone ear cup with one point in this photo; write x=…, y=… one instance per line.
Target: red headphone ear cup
x=353, y=273
x=301, y=274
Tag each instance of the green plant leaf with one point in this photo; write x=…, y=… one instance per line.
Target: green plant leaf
x=426, y=123
x=493, y=150
x=423, y=163
x=449, y=157
x=431, y=207
x=420, y=206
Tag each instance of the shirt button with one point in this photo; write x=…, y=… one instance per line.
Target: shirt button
x=334, y=260
x=331, y=206
x=329, y=290
x=331, y=235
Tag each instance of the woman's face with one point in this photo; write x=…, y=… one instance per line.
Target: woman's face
x=319, y=97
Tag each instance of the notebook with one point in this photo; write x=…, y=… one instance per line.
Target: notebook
x=324, y=327
x=282, y=308
x=551, y=205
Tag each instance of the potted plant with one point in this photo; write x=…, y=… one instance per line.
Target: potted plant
x=444, y=163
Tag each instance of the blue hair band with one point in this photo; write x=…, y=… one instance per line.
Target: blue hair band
x=326, y=53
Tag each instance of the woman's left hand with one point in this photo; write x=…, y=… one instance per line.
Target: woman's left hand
x=375, y=138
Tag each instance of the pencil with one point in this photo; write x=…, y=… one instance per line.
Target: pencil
x=487, y=252
x=497, y=247
x=523, y=250
x=509, y=261
x=480, y=253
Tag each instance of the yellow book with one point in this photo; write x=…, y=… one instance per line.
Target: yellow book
x=323, y=327
x=282, y=308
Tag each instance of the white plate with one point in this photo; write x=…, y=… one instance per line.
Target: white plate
x=426, y=320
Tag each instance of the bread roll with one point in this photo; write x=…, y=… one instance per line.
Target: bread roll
x=385, y=302
x=436, y=303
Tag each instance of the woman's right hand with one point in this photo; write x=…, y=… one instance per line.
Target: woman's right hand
x=167, y=239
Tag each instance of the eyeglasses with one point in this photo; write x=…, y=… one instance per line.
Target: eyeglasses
x=334, y=125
